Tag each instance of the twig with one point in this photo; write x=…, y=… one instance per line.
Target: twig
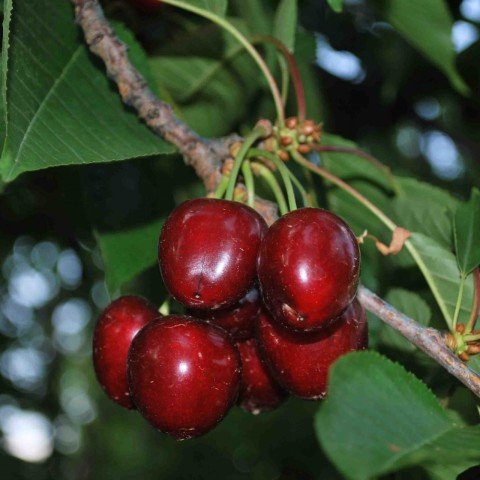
x=431, y=341
x=207, y=156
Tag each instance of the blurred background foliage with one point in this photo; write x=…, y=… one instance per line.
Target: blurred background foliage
x=364, y=80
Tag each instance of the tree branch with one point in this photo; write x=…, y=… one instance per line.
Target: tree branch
x=204, y=155
x=431, y=341
x=207, y=156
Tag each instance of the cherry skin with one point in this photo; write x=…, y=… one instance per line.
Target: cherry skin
x=300, y=361
x=184, y=375
x=208, y=251
x=113, y=334
x=308, y=268
x=259, y=392
x=238, y=320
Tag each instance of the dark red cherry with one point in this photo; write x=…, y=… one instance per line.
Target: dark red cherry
x=184, y=375
x=308, y=268
x=208, y=251
x=259, y=392
x=239, y=320
x=113, y=334
x=300, y=361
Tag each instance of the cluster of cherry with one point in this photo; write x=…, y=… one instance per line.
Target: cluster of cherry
x=268, y=311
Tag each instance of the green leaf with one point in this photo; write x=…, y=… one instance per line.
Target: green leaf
x=440, y=268
x=336, y=5
x=427, y=25
x=350, y=165
x=378, y=418
x=358, y=216
x=411, y=305
x=256, y=13
x=285, y=24
x=127, y=253
x=420, y=207
x=7, y=6
x=61, y=108
x=467, y=233
x=208, y=76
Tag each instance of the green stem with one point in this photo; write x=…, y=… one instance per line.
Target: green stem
x=249, y=183
x=164, y=308
x=387, y=222
x=463, y=277
x=250, y=139
x=293, y=70
x=285, y=79
x=264, y=172
x=344, y=186
x=283, y=170
x=311, y=193
x=221, y=187
x=227, y=26
x=301, y=189
x=471, y=338
x=476, y=292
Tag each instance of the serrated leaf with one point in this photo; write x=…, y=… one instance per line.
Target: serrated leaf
x=285, y=24
x=440, y=269
x=427, y=25
x=467, y=233
x=61, y=108
x=426, y=209
x=336, y=5
x=128, y=253
x=379, y=418
x=411, y=305
x=351, y=166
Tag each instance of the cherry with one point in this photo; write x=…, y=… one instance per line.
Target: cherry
x=300, y=361
x=113, y=334
x=208, y=250
x=239, y=320
x=184, y=375
x=308, y=268
x=259, y=392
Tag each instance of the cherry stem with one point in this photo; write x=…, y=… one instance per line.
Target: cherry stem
x=264, y=172
x=463, y=277
x=386, y=221
x=227, y=26
x=475, y=305
x=249, y=183
x=164, y=308
x=294, y=71
x=283, y=170
x=250, y=139
x=311, y=193
x=471, y=338
x=221, y=187
x=300, y=188
x=344, y=186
